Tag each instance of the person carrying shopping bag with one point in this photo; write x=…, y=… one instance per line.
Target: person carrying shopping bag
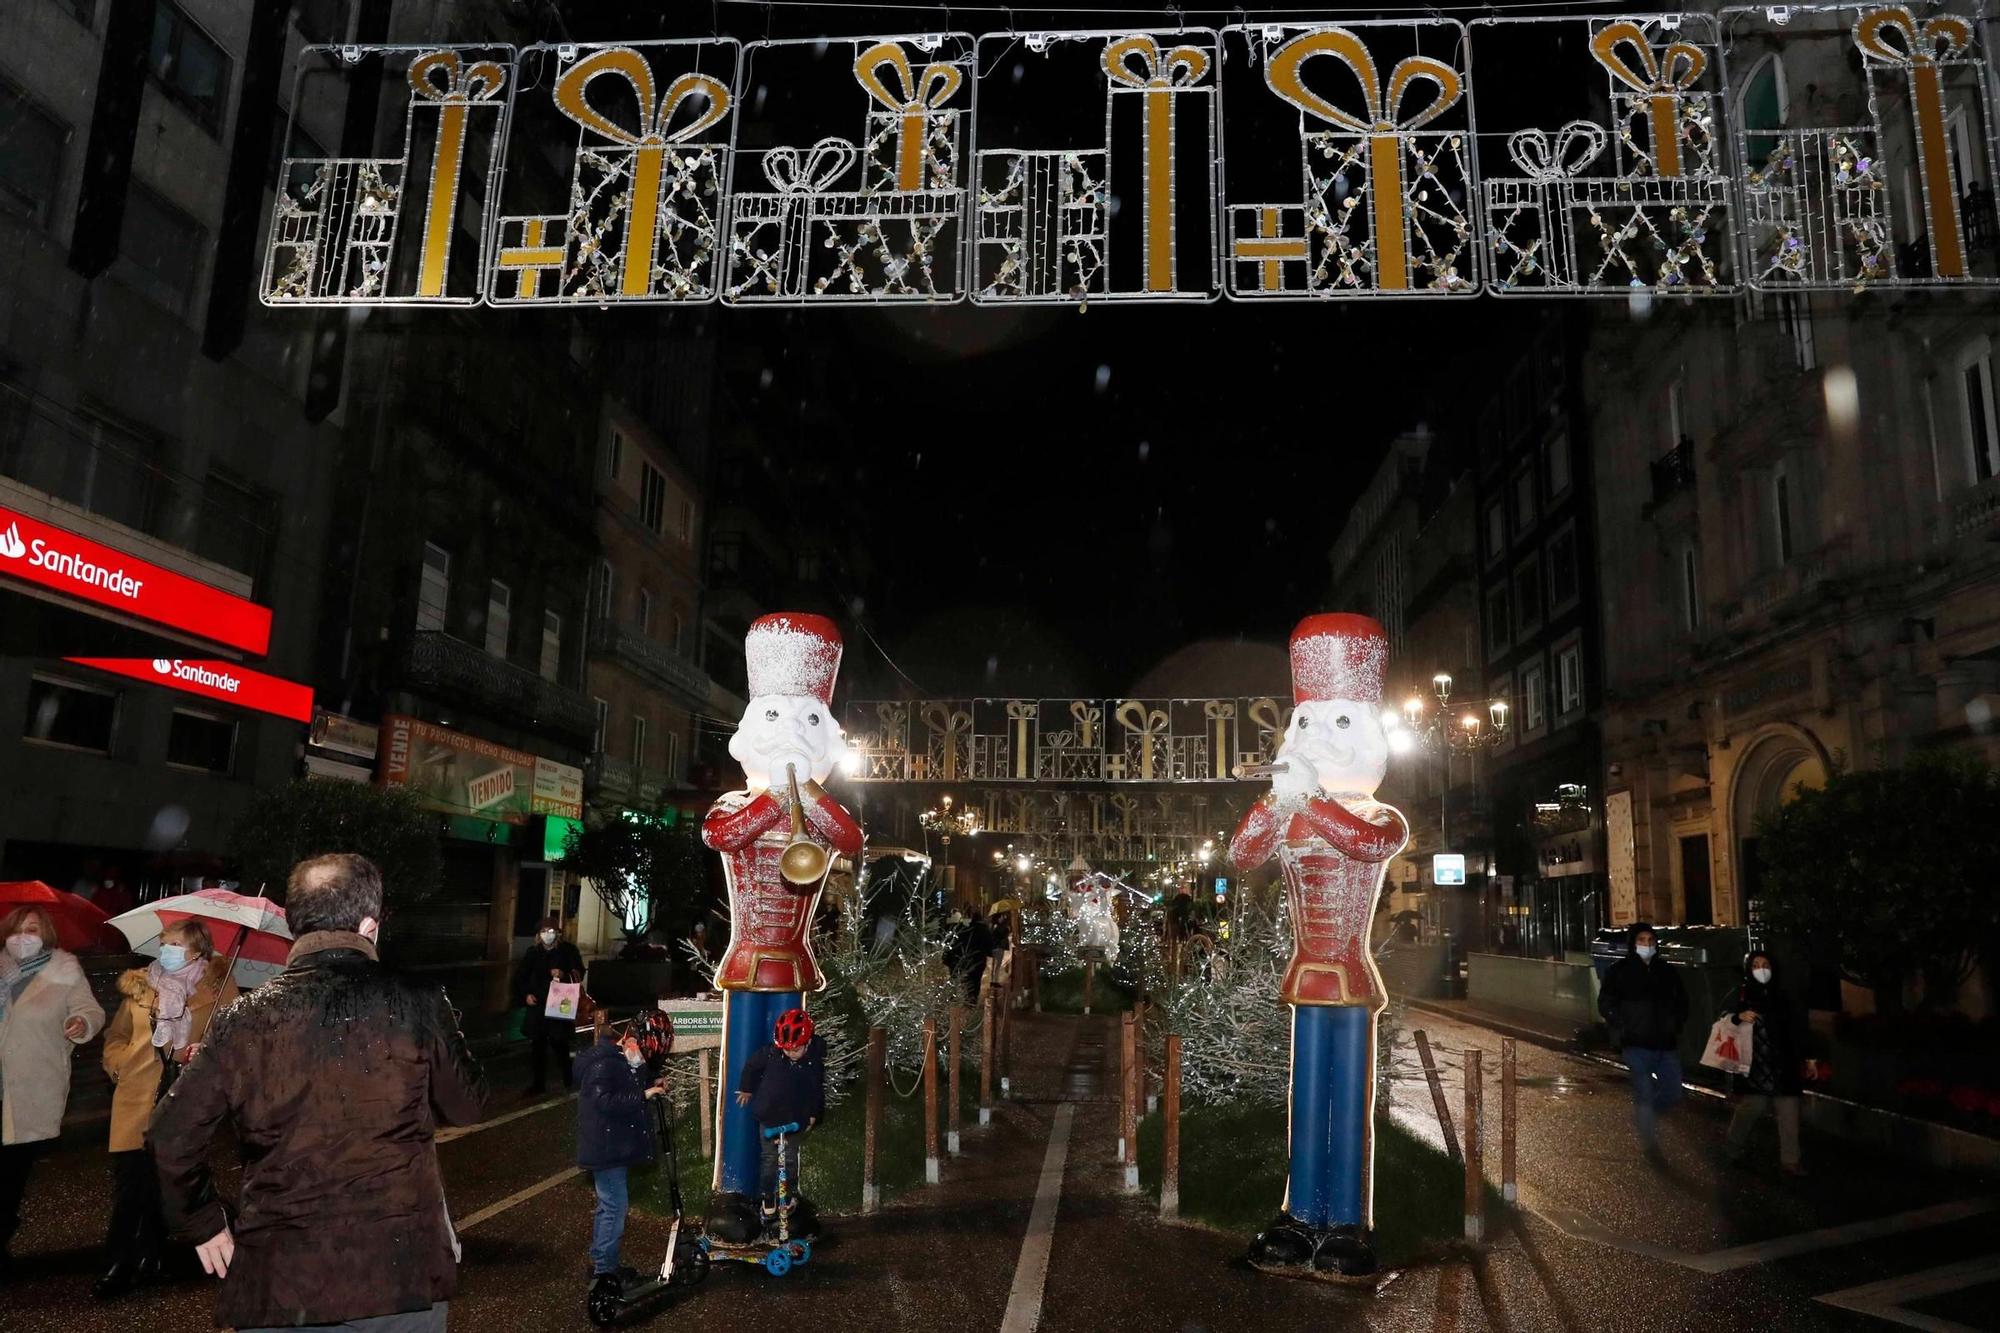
x=1773, y=1083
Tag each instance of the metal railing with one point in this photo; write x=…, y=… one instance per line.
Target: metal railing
x=654, y=660
x=1673, y=471
x=438, y=661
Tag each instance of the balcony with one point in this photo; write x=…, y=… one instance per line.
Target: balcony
x=1976, y=512
x=657, y=663
x=618, y=782
x=456, y=670
x=1673, y=472
x=1775, y=591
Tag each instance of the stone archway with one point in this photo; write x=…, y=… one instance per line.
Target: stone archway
x=1776, y=762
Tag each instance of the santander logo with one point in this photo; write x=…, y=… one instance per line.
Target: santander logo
x=11, y=544
x=163, y=666
x=196, y=674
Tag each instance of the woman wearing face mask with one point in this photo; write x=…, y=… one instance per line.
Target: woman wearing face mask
x=1773, y=1082
x=46, y=1011
x=165, y=1015
x=549, y=958
x=613, y=1134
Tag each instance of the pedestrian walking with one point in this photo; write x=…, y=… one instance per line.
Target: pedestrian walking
x=613, y=1135
x=549, y=958
x=1646, y=1006
x=165, y=1016
x=1773, y=1084
x=46, y=1012
x=335, y=1075
x=784, y=1083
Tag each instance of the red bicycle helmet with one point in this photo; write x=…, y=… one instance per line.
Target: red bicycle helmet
x=794, y=1029
x=655, y=1033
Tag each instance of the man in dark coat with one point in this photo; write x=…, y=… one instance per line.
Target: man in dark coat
x=549, y=958
x=1646, y=1006
x=335, y=1075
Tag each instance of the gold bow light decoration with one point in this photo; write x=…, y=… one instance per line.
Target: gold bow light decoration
x=1149, y=726
x=1220, y=714
x=1270, y=722
x=1663, y=78
x=650, y=144
x=442, y=79
x=950, y=730
x=917, y=104
x=1138, y=63
x=1921, y=50
x=1383, y=123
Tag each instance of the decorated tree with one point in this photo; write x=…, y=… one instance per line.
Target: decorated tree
x=313, y=816
x=1884, y=869
x=652, y=875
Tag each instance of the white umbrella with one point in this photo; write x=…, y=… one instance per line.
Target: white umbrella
x=250, y=932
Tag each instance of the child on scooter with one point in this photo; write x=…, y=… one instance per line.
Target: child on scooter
x=783, y=1084
x=613, y=1134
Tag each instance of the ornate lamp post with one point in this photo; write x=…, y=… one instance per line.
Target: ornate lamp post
x=1466, y=734
x=948, y=822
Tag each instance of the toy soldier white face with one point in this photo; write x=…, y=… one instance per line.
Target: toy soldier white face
x=781, y=729
x=1340, y=742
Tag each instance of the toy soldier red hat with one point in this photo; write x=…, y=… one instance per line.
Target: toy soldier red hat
x=792, y=653
x=1337, y=655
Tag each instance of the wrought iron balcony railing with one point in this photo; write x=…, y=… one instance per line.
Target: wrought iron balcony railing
x=655, y=661
x=1673, y=472
x=451, y=667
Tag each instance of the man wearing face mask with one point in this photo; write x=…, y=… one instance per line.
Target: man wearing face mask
x=549, y=958
x=335, y=1075
x=1645, y=1005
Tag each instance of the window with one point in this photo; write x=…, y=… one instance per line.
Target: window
x=1558, y=465
x=61, y=712
x=1690, y=589
x=672, y=759
x=680, y=633
x=1781, y=511
x=684, y=517
x=551, y=645
x=1527, y=596
x=638, y=742
x=499, y=617
x=289, y=141
x=1496, y=530
x=1795, y=318
x=604, y=585
x=1534, y=698
x=202, y=740
x=603, y=707
x=239, y=524
x=31, y=151
x=1569, y=680
x=434, y=594
x=1677, y=422
x=652, y=496
x=1982, y=432
x=645, y=610
x=160, y=249
x=806, y=567
x=1562, y=570
x=1524, y=501
x=190, y=67
x=83, y=11
x=1499, y=629
x=617, y=455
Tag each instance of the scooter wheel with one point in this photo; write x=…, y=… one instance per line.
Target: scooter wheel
x=802, y=1251
x=777, y=1263
x=604, y=1310
x=693, y=1268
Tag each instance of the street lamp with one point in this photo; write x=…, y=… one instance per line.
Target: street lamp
x=947, y=822
x=1469, y=734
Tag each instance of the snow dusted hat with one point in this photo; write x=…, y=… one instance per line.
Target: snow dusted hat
x=1337, y=655
x=792, y=653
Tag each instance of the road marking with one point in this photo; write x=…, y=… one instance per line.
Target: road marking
x=1031, y=1272
x=1572, y=1223
x=519, y=1196
x=452, y=1132
x=1885, y=1299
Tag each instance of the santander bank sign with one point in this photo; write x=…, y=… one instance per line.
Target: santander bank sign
x=224, y=682
x=75, y=566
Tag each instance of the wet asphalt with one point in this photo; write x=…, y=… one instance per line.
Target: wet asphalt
x=944, y=1257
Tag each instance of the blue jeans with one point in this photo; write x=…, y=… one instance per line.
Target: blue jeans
x=1656, y=1087
x=607, y=1225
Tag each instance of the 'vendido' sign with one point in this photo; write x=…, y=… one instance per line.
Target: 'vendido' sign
x=62, y=561
x=224, y=682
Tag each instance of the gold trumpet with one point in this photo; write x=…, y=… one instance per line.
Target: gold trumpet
x=804, y=861
x=1257, y=770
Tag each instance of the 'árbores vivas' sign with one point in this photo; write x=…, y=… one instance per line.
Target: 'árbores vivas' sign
x=224, y=682
x=75, y=566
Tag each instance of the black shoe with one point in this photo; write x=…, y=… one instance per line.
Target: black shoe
x=732, y=1218
x=117, y=1280
x=1346, y=1250
x=1285, y=1241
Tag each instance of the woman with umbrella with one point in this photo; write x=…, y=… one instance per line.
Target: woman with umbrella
x=46, y=1012
x=168, y=1007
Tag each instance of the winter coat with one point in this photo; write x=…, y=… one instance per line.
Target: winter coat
x=1644, y=1003
x=133, y=1063
x=335, y=1075
x=1775, y=1045
x=531, y=976
x=784, y=1091
x=34, y=1052
x=613, y=1125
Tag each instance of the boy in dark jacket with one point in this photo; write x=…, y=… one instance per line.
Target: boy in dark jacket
x=1646, y=1005
x=613, y=1134
x=785, y=1084
x=549, y=958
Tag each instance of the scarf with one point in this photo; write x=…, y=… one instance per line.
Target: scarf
x=171, y=1019
x=15, y=975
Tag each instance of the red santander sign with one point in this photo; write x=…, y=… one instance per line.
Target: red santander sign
x=224, y=682
x=75, y=566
